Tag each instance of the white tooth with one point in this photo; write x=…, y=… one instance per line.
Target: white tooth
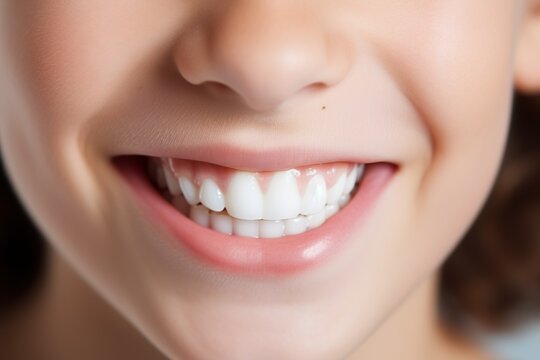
x=180, y=204
x=317, y=219
x=200, y=215
x=335, y=191
x=221, y=222
x=331, y=210
x=244, y=199
x=343, y=200
x=271, y=228
x=360, y=171
x=172, y=183
x=297, y=225
x=248, y=228
x=351, y=180
x=189, y=190
x=281, y=200
x=314, y=197
x=211, y=196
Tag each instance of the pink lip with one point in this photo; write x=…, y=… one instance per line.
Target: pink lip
x=238, y=254
x=271, y=159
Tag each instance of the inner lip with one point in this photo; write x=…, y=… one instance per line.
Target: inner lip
x=221, y=220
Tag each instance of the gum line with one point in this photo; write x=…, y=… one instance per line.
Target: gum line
x=197, y=172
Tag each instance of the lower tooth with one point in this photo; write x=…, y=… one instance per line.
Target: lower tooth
x=297, y=225
x=271, y=228
x=221, y=222
x=224, y=223
x=248, y=228
x=200, y=215
x=316, y=219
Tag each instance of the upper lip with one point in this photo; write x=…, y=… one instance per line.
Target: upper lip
x=274, y=159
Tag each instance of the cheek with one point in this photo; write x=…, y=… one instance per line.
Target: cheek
x=62, y=62
x=461, y=83
x=70, y=58
x=458, y=73
x=60, y=65
x=455, y=66
x=466, y=99
x=468, y=79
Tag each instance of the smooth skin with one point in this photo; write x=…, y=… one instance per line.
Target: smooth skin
x=424, y=84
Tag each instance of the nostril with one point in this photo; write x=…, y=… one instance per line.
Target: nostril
x=218, y=88
x=262, y=54
x=316, y=87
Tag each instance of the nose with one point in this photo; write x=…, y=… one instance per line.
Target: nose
x=264, y=52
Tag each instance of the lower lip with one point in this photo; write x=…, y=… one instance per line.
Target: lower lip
x=282, y=256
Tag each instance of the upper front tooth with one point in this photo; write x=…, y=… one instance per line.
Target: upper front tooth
x=244, y=198
x=189, y=190
x=351, y=180
x=335, y=191
x=282, y=200
x=172, y=184
x=314, y=197
x=211, y=196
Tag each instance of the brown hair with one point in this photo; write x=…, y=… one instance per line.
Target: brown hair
x=22, y=251
x=493, y=276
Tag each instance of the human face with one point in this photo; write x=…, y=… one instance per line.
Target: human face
x=420, y=90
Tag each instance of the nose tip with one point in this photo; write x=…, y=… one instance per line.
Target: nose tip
x=265, y=55
x=268, y=69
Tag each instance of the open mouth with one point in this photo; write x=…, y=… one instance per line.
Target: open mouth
x=257, y=221
x=256, y=204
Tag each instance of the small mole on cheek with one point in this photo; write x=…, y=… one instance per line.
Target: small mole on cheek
x=324, y=107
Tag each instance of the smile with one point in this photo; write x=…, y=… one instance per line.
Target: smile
x=272, y=222
x=256, y=204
